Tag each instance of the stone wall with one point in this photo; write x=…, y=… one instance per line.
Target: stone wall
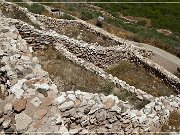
x=98, y=55
x=37, y=38
x=134, y=52
x=71, y=112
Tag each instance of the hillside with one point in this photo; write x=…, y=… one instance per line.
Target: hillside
x=155, y=24
x=60, y=73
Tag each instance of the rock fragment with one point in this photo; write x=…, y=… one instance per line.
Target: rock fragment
x=19, y=105
x=22, y=121
x=66, y=106
x=6, y=123
x=36, y=101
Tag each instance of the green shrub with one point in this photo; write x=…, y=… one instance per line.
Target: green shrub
x=36, y=8
x=107, y=87
x=142, y=23
x=86, y=15
x=67, y=17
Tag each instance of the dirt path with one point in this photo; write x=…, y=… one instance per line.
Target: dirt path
x=161, y=57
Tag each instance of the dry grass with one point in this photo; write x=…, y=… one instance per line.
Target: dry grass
x=173, y=124
x=81, y=33
x=69, y=76
x=137, y=76
x=17, y=14
x=114, y=30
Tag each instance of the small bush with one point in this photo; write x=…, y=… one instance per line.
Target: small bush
x=107, y=87
x=67, y=17
x=99, y=23
x=86, y=15
x=36, y=8
x=142, y=23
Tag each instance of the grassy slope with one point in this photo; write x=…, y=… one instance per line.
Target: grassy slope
x=162, y=15
x=139, y=32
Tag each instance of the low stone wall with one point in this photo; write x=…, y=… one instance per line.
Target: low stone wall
x=39, y=38
x=98, y=55
x=159, y=71
x=59, y=24
x=71, y=112
x=136, y=53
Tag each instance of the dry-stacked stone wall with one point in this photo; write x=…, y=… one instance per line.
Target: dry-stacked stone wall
x=100, y=56
x=71, y=112
x=136, y=53
x=38, y=39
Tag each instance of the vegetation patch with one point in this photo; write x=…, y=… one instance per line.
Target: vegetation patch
x=137, y=76
x=140, y=31
x=36, y=8
x=173, y=124
x=69, y=76
x=17, y=14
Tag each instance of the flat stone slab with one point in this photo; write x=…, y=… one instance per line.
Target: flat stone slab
x=22, y=121
x=66, y=106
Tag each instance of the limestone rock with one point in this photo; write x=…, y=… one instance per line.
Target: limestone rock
x=43, y=86
x=6, y=123
x=47, y=101
x=8, y=108
x=40, y=113
x=56, y=119
x=22, y=121
x=66, y=106
x=19, y=105
x=1, y=120
x=36, y=101
x=60, y=99
x=109, y=103
x=63, y=130
x=17, y=88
